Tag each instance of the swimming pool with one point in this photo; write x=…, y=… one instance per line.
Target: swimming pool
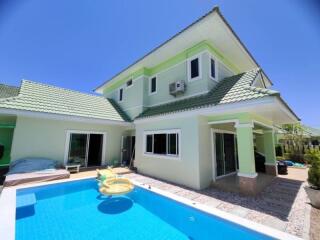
x=76, y=210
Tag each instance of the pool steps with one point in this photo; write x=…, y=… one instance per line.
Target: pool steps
x=26, y=200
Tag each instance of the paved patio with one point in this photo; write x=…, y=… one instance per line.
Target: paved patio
x=282, y=205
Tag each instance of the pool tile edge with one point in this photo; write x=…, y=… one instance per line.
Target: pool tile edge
x=8, y=213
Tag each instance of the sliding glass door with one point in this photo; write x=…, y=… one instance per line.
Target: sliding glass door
x=85, y=149
x=78, y=149
x=225, y=153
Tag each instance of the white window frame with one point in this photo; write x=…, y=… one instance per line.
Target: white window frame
x=120, y=100
x=150, y=82
x=164, y=156
x=87, y=132
x=215, y=68
x=130, y=79
x=199, y=57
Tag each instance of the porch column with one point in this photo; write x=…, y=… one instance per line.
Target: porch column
x=247, y=169
x=269, y=152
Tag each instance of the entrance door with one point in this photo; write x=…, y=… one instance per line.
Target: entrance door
x=225, y=153
x=85, y=149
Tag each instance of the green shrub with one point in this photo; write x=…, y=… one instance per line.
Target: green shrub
x=307, y=157
x=287, y=156
x=297, y=157
x=314, y=171
x=278, y=150
x=280, y=158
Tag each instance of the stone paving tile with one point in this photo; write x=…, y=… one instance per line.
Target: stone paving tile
x=274, y=223
x=240, y=211
x=188, y=194
x=212, y=202
x=282, y=205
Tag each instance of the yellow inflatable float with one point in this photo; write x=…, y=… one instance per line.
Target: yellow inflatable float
x=110, y=184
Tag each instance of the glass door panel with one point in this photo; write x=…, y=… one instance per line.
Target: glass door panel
x=78, y=149
x=226, y=153
x=95, y=150
x=229, y=153
x=219, y=154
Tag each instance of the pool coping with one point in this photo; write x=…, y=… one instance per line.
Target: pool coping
x=8, y=210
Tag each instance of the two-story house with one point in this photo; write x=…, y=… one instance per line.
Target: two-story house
x=191, y=111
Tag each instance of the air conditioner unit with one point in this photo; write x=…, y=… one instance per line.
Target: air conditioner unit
x=176, y=88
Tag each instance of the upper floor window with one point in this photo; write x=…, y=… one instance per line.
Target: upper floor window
x=194, y=69
x=153, y=85
x=129, y=83
x=120, y=94
x=212, y=68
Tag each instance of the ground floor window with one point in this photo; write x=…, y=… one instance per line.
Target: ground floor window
x=165, y=143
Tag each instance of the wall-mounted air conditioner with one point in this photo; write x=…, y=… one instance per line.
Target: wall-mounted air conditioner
x=176, y=88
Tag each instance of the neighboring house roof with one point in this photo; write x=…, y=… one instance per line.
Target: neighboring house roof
x=8, y=91
x=37, y=97
x=229, y=90
x=314, y=132
x=157, y=50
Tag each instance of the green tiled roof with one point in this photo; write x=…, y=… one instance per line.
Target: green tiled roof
x=44, y=98
x=229, y=90
x=8, y=91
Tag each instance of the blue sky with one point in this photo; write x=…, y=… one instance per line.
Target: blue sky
x=79, y=44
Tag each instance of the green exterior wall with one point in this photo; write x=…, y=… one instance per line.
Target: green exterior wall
x=36, y=137
x=205, y=153
x=136, y=97
x=269, y=147
x=245, y=150
x=183, y=171
x=259, y=143
x=172, y=61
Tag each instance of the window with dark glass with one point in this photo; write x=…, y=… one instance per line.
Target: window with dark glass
x=149, y=143
x=153, y=87
x=129, y=83
x=194, y=68
x=162, y=143
x=121, y=94
x=173, y=144
x=213, y=68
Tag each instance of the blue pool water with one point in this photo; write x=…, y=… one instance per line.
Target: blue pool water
x=76, y=210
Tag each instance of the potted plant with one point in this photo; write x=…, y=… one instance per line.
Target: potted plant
x=313, y=190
